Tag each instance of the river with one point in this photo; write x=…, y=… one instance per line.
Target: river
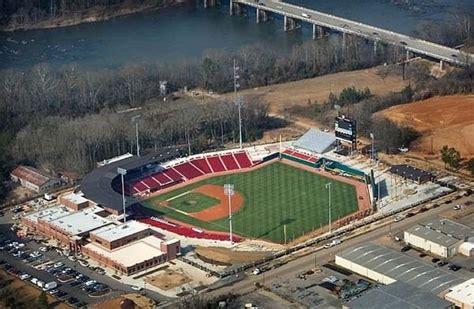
x=186, y=32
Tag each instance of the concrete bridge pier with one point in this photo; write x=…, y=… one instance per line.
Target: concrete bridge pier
x=262, y=16
x=318, y=32
x=288, y=23
x=209, y=3
x=441, y=65
x=343, y=40
x=234, y=8
x=375, y=47
x=408, y=55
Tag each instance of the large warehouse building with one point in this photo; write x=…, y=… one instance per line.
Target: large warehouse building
x=386, y=266
x=442, y=237
x=462, y=295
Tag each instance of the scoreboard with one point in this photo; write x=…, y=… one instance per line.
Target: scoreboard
x=346, y=130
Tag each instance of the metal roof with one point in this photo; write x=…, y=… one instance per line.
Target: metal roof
x=32, y=175
x=397, y=295
x=449, y=228
x=97, y=185
x=463, y=292
x=316, y=141
x=401, y=267
x=433, y=236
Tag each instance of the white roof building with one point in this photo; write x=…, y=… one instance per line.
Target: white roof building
x=80, y=222
x=48, y=214
x=316, y=141
x=111, y=233
x=462, y=295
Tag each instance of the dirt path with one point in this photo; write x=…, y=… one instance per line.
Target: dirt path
x=447, y=120
x=220, y=210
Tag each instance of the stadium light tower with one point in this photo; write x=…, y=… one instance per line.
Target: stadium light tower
x=372, y=154
x=328, y=187
x=238, y=101
x=229, y=191
x=122, y=173
x=135, y=120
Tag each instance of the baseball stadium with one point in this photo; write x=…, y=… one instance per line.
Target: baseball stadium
x=278, y=193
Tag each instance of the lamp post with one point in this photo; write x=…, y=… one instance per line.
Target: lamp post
x=372, y=152
x=122, y=173
x=238, y=101
x=229, y=191
x=328, y=187
x=135, y=120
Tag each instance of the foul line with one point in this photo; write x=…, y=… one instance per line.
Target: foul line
x=179, y=195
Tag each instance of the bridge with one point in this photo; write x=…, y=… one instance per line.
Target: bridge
x=322, y=22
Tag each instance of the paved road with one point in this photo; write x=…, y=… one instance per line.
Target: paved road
x=323, y=256
x=343, y=25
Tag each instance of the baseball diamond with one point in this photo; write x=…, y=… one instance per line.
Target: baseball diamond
x=273, y=196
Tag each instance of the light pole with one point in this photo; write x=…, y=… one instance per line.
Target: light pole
x=135, y=120
x=122, y=173
x=237, y=101
x=372, y=154
x=229, y=191
x=328, y=187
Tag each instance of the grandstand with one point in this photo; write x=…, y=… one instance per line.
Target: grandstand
x=192, y=167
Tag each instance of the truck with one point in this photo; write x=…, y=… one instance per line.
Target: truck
x=50, y=285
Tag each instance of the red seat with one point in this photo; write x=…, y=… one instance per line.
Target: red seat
x=202, y=165
x=188, y=170
x=216, y=164
x=243, y=159
x=172, y=174
x=229, y=162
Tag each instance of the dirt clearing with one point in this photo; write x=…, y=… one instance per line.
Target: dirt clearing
x=449, y=120
x=141, y=302
x=284, y=95
x=228, y=256
x=168, y=280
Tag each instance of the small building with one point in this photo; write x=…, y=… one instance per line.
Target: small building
x=397, y=295
x=462, y=295
x=74, y=201
x=412, y=173
x=136, y=256
x=467, y=248
x=442, y=237
x=33, y=179
x=114, y=236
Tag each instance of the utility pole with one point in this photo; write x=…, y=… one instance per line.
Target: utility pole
x=238, y=101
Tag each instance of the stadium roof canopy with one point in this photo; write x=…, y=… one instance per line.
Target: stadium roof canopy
x=401, y=267
x=397, y=295
x=315, y=140
x=97, y=185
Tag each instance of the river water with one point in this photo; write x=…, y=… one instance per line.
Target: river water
x=186, y=32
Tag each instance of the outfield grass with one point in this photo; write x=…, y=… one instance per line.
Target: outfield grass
x=274, y=196
x=193, y=202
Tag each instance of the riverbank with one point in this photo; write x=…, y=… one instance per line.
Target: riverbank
x=95, y=14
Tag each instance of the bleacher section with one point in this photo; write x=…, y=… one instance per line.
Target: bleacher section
x=189, y=169
x=301, y=155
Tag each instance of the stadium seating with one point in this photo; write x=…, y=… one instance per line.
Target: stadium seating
x=216, y=164
x=188, y=231
x=202, y=165
x=300, y=155
x=243, y=160
x=229, y=162
x=188, y=170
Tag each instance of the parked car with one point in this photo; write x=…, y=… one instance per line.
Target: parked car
x=454, y=267
x=58, y=264
x=442, y=263
x=435, y=260
x=457, y=207
x=136, y=288
x=405, y=249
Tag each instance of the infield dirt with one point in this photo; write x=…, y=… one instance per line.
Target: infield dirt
x=448, y=120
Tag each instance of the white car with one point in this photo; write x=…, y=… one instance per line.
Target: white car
x=58, y=264
x=43, y=249
x=457, y=207
x=72, y=258
x=256, y=271
x=25, y=276
x=136, y=288
x=83, y=263
x=90, y=282
x=398, y=218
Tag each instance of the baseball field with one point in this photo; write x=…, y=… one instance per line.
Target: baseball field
x=266, y=201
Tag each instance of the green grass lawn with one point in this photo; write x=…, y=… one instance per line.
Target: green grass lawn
x=193, y=202
x=274, y=196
